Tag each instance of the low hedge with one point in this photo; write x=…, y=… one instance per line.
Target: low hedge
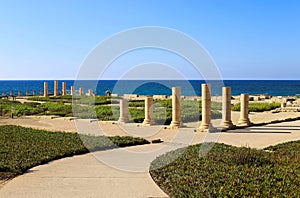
x=257, y=106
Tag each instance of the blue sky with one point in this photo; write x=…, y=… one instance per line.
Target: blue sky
x=250, y=39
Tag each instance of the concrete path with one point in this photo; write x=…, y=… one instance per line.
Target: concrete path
x=88, y=176
x=81, y=176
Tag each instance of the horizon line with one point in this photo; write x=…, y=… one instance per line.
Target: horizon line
x=60, y=79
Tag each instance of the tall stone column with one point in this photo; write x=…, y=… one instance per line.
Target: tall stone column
x=81, y=91
x=206, y=125
x=64, y=88
x=72, y=90
x=123, y=111
x=226, y=108
x=90, y=92
x=176, y=108
x=244, y=111
x=46, y=92
x=55, y=88
x=148, y=111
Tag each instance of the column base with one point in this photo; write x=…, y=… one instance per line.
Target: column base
x=147, y=122
x=175, y=125
x=228, y=125
x=123, y=120
x=207, y=128
x=244, y=122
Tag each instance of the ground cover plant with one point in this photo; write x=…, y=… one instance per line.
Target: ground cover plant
x=22, y=148
x=258, y=106
x=97, y=100
x=228, y=171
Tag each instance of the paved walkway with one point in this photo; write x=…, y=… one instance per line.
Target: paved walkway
x=88, y=176
x=81, y=176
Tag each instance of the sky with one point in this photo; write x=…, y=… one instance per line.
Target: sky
x=247, y=39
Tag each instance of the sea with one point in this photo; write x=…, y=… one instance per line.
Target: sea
x=155, y=87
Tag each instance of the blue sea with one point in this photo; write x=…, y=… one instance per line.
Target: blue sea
x=157, y=87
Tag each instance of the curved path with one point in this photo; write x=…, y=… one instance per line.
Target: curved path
x=81, y=176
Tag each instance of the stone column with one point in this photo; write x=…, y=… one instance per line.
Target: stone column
x=176, y=108
x=72, y=90
x=55, y=88
x=64, y=88
x=206, y=125
x=90, y=92
x=226, y=108
x=81, y=91
x=244, y=110
x=148, y=111
x=19, y=93
x=123, y=111
x=45, y=89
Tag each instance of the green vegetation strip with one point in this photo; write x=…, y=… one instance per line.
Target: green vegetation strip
x=100, y=107
x=258, y=106
x=22, y=148
x=228, y=171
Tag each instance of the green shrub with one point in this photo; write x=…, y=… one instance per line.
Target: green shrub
x=92, y=100
x=23, y=109
x=32, y=104
x=137, y=103
x=137, y=115
x=107, y=113
x=19, y=108
x=84, y=112
x=55, y=108
x=258, y=106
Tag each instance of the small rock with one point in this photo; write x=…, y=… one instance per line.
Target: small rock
x=156, y=141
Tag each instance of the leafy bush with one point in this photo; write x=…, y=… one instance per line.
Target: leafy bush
x=22, y=148
x=32, y=104
x=23, y=109
x=137, y=115
x=19, y=108
x=228, y=171
x=107, y=113
x=216, y=106
x=258, y=106
x=92, y=100
x=138, y=103
x=56, y=108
